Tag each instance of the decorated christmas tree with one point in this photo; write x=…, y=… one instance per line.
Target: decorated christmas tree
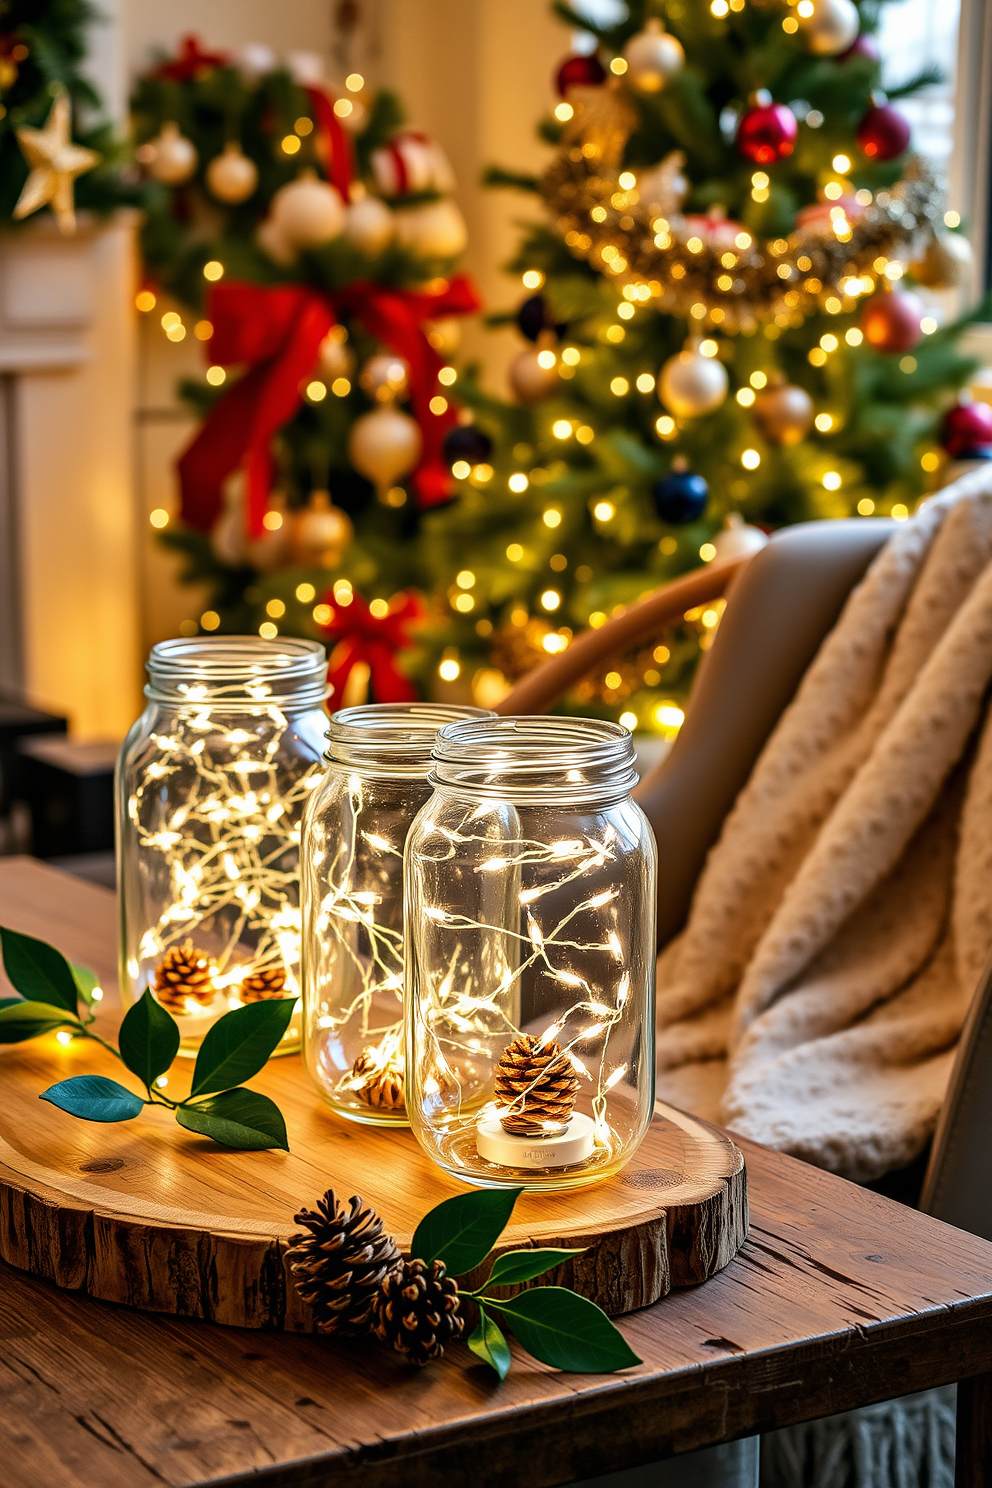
x=308, y=240
x=722, y=333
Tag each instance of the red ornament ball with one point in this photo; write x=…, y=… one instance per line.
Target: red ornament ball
x=966, y=427
x=863, y=45
x=580, y=71
x=883, y=133
x=767, y=132
x=892, y=321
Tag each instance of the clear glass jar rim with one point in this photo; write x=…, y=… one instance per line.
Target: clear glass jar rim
x=395, y=737
x=238, y=671
x=530, y=757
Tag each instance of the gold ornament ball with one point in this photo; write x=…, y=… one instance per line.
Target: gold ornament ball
x=335, y=357
x=529, y=380
x=307, y=212
x=385, y=377
x=320, y=532
x=174, y=160
x=691, y=384
x=784, y=414
x=653, y=57
x=436, y=230
x=384, y=445
x=444, y=334
x=832, y=27
x=946, y=262
x=369, y=225
x=737, y=538
x=270, y=239
x=231, y=176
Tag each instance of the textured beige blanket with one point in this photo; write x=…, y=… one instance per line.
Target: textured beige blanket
x=841, y=922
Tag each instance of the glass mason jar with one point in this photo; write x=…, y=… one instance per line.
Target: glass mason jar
x=211, y=785
x=378, y=762
x=530, y=911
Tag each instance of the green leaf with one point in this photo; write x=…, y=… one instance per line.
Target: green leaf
x=491, y=1347
x=148, y=1039
x=38, y=970
x=567, y=1331
x=238, y=1118
x=86, y=982
x=462, y=1231
x=94, y=1098
x=20, y=1020
x=523, y=1265
x=239, y=1044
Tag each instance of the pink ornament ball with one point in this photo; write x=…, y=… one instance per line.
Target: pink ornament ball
x=767, y=133
x=967, y=426
x=883, y=133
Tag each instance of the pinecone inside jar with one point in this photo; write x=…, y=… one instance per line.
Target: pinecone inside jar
x=184, y=974
x=269, y=981
x=418, y=1311
x=537, y=1081
x=340, y=1264
x=377, y=1081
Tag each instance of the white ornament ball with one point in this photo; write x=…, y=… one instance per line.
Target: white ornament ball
x=305, y=68
x=832, y=27
x=435, y=230
x=271, y=240
x=411, y=163
x=369, y=225
x=385, y=377
x=232, y=176
x=529, y=379
x=444, y=334
x=335, y=357
x=384, y=445
x=308, y=212
x=691, y=384
x=653, y=57
x=175, y=156
x=736, y=539
x=255, y=60
x=320, y=532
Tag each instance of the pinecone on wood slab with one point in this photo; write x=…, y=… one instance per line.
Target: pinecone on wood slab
x=270, y=981
x=184, y=972
x=418, y=1311
x=340, y=1264
x=378, y=1085
x=537, y=1081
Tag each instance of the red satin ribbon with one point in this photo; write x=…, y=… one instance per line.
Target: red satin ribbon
x=277, y=331
x=356, y=635
x=190, y=61
x=337, y=148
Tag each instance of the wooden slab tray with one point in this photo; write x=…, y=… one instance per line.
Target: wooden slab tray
x=146, y=1214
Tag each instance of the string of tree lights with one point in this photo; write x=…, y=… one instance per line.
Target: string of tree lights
x=727, y=325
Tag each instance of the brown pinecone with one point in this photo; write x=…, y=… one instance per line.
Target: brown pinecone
x=379, y=1086
x=269, y=982
x=339, y=1266
x=538, y=1081
x=184, y=972
x=418, y=1311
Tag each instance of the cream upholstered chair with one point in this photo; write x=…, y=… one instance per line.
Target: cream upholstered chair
x=781, y=603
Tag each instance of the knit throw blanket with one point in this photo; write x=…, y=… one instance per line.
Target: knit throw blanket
x=842, y=921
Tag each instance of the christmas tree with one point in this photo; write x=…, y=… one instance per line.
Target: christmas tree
x=308, y=240
x=722, y=333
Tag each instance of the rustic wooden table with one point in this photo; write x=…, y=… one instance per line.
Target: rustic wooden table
x=839, y=1298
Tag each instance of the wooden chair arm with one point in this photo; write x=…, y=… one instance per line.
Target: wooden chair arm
x=542, y=687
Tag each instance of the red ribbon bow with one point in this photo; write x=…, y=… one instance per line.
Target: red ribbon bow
x=277, y=330
x=191, y=62
x=357, y=636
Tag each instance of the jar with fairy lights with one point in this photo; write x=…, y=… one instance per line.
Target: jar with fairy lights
x=378, y=761
x=530, y=911
x=211, y=785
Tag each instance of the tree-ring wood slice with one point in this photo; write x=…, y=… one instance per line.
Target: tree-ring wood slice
x=151, y=1216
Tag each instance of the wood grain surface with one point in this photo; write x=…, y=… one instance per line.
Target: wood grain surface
x=838, y=1298
x=148, y=1215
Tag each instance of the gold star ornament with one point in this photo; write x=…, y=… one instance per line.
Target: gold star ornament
x=55, y=163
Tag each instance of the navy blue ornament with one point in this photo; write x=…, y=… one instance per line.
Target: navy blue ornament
x=681, y=495
x=534, y=316
x=466, y=442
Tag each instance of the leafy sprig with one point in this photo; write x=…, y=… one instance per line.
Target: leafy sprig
x=554, y=1324
x=57, y=994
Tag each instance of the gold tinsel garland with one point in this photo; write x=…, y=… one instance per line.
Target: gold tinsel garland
x=730, y=281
